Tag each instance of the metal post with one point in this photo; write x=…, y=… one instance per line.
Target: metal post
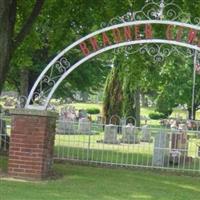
x=194, y=82
x=88, y=149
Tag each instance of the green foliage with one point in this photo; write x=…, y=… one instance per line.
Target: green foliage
x=156, y=115
x=113, y=95
x=165, y=105
x=130, y=72
x=169, y=83
x=46, y=42
x=93, y=111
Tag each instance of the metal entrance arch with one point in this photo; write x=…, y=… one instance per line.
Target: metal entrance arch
x=60, y=67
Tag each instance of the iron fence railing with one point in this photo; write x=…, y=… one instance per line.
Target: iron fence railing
x=165, y=148
x=122, y=145
x=4, y=131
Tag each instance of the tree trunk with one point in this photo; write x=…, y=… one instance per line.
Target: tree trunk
x=7, y=21
x=137, y=107
x=24, y=82
x=190, y=114
x=113, y=95
x=144, y=100
x=9, y=43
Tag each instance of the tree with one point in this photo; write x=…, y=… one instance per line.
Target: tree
x=113, y=95
x=46, y=41
x=122, y=90
x=10, y=38
x=175, y=86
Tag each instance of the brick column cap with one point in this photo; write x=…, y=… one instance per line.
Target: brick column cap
x=31, y=112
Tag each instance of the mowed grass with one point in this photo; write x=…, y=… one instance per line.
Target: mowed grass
x=3, y=164
x=93, y=183
x=87, y=105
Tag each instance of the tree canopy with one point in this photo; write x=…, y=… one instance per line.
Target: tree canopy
x=34, y=32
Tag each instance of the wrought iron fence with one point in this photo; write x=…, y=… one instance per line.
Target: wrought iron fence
x=164, y=148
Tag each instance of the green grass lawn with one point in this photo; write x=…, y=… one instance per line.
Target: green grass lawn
x=93, y=183
x=3, y=164
x=86, y=105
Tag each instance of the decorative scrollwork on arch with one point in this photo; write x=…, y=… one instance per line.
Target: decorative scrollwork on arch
x=50, y=78
x=159, y=52
x=156, y=10
x=21, y=101
x=152, y=12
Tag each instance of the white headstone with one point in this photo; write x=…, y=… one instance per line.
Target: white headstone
x=123, y=125
x=110, y=135
x=84, y=126
x=146, y=135
x=130, y=135
x=66, y=122
x=161, y=150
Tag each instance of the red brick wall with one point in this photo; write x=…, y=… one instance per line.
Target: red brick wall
x=31, y=146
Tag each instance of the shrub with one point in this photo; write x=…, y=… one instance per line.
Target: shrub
x=157, y=115
x=166, y=112
x=93, y=111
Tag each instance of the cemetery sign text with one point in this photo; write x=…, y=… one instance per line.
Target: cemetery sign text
x=148, y=31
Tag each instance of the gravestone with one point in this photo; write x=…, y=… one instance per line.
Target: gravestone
x=123, y=126
x=110, y=135
x=100, y=119
x=130, y=135
x=198, y=150
x=82, y=114
x=161, y=150
x=84, y=126
x=179, y=144
x=146, y=135
x=66, y=120
x=66, y=126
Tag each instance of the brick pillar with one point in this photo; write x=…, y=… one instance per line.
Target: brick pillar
x=31, y=144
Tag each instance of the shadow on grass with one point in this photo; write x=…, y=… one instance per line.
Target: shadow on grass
x=89, y=183
x=3, y=161
x=119, y=158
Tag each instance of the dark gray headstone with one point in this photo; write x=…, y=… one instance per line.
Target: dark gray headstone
x=179, y=145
